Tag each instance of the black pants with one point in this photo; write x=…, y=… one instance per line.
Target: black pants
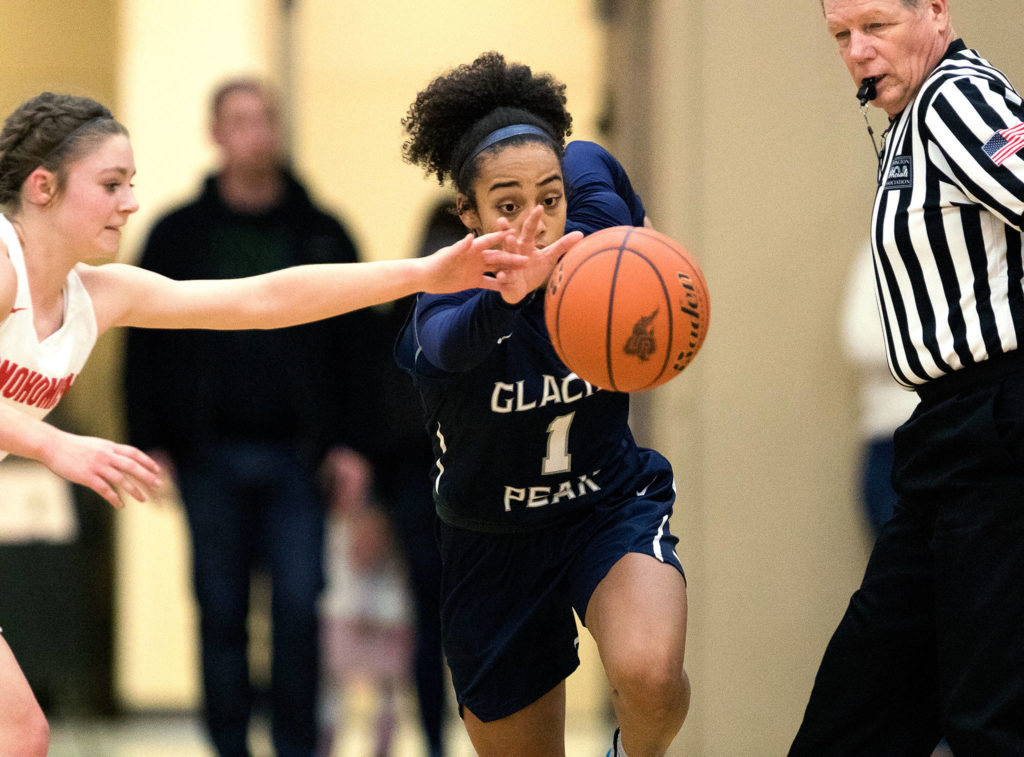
x=932, y=643
x=253, y=505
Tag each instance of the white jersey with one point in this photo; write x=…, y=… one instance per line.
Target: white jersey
x=35, y=374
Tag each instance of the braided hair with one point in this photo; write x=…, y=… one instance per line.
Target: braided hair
x=459, y=109
x=49, y=131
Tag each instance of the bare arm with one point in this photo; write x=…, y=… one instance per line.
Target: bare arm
x=8, y=283
x=129, y=296
x=111, y=470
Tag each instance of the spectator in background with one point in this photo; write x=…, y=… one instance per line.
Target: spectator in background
x=244, y=420
x=884, y=404
x=364, y=618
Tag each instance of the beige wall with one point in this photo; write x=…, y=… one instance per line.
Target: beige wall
x=360, y=65
x=87, y=60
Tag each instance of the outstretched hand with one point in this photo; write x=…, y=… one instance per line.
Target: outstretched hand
x=515, y=283
x=112, y=470
x=502, y=260
x=465, y=264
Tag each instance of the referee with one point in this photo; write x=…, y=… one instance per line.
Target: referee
x=932, y=643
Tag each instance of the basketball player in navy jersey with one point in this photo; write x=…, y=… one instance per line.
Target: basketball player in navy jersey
x=546, y=504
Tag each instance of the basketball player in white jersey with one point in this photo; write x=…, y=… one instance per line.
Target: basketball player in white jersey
x=66, y=167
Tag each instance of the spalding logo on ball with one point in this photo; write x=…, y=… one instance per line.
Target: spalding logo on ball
x=627, y=308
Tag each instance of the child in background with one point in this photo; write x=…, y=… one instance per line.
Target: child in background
x=367, y=634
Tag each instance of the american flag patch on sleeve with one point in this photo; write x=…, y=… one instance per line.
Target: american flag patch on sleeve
x=1004, y=143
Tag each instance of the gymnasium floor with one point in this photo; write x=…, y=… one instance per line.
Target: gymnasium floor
x=182, y=736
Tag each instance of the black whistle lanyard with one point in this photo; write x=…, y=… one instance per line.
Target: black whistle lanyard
x=867, y=92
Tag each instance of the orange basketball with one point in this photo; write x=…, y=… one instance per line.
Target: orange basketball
x=627, y=308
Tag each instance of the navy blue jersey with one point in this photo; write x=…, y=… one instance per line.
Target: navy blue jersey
x=520, y=441
x=599, y=192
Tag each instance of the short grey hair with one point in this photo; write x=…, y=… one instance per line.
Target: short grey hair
x=906, y=3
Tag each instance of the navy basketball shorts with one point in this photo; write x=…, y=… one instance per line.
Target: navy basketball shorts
x=507, y=599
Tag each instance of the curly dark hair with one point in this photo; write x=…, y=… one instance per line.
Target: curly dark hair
x=461, y=107
x=51, y=131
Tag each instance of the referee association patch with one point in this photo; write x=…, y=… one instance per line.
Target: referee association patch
x=901, y=173
x=1004, y=143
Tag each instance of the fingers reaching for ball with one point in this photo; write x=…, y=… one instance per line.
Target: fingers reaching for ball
x=512, y=262
x=516, y=283
x=468, y=263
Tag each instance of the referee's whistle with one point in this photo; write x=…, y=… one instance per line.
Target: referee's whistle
x=867, y=90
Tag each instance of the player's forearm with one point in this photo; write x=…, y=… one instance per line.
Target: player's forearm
x=310, y=293
x=25, y=436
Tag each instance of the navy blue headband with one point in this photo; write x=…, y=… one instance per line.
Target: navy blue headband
x=500, y=135
x=506, y=132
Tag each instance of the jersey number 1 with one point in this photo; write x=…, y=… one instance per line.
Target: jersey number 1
x=558, y=459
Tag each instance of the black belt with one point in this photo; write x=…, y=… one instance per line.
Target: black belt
x=972, y=376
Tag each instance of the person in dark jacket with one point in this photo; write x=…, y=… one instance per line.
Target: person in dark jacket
x=244, y=420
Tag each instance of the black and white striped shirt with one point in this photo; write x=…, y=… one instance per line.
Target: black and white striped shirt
x=947, y=222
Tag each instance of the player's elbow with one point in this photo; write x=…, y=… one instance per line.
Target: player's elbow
x=31, y=733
